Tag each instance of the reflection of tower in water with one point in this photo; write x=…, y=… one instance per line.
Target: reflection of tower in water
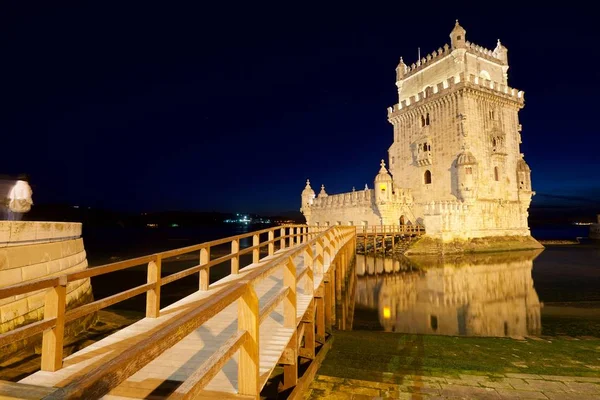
x=477, y=295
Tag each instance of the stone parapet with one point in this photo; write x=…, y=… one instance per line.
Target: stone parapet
x=36, y=250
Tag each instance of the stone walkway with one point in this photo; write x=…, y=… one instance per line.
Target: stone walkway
x=508, y=386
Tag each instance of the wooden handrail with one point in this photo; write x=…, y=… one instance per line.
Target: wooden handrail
x=89, y=308
x=26, y=331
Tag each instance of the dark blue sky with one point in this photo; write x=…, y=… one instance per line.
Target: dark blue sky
x=151, y=105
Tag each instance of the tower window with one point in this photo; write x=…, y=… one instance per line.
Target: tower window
x=427, y=177
x=468, y=170
x=491, y=114
x=422, y=120
x=433, y=321
x=496, y=174
x=458, y=37
x=427, y=119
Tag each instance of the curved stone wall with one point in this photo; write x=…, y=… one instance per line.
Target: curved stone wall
x=34, y=250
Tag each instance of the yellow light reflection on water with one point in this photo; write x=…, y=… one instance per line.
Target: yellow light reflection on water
x=387, y=313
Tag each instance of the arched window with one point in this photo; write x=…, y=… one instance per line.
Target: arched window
x=427, y=177
x=422, y=120
x=427, y=119
x=496, y=174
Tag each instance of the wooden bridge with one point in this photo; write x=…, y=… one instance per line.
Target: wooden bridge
x=378, y=235
x=224, y=340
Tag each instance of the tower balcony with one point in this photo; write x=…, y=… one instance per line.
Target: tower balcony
x=424, y=158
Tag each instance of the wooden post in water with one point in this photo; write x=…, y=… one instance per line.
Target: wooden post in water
x=248, y=365
x=153, y=295
x=204, y=273
x=235, y=261
x=52, y=340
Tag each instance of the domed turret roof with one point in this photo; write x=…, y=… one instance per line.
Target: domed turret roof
x=522, y=166
x=383, y=175
x=308, y=190
x=466, y=158
x=323, y=193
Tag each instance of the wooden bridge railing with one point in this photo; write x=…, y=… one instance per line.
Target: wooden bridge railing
x=300, y=240
x=390, y=229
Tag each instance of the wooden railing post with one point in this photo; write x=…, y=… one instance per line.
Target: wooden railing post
x=235, y=261
x=205, y=273
x=52, y=340
x=271, y=242
x=309, y=286
x=282, y=240
x=153, y=295
x=319, y=255
x=248, y=365
x=256, y=251
x=290, y=368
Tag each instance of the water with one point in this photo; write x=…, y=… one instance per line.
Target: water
x=551, y=292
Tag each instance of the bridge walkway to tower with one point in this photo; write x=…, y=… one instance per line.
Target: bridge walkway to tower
x=223, y=340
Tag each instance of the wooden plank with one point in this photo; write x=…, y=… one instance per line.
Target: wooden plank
x=248, y=364
x=153, y=295
x=13, y=390
x=193, y=385
x=273, y=303
x=26, y=331
x=106, y=302
x=52, y=339
x=99, y=381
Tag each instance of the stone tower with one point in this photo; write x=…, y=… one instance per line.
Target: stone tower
x=455, y=165
x=456, y=142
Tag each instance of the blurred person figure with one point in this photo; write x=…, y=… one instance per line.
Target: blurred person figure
x=19, y=199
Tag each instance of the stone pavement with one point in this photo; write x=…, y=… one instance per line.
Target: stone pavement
x=507, y=386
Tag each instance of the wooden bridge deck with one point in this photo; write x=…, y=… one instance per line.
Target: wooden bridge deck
x=194, y=346
x=177, y=364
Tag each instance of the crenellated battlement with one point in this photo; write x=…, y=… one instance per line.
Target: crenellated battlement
x=429, y=59
x=483, y=52
x=441, y=52
x=357, y=198
x=448, y=84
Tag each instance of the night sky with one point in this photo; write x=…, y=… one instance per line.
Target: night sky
x=144, y=106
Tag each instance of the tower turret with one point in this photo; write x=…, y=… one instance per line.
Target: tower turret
x=466, y=165
x=458, y=37
x=323, y=193
x=523, y=176
x=383, y=185
x=308, y=195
